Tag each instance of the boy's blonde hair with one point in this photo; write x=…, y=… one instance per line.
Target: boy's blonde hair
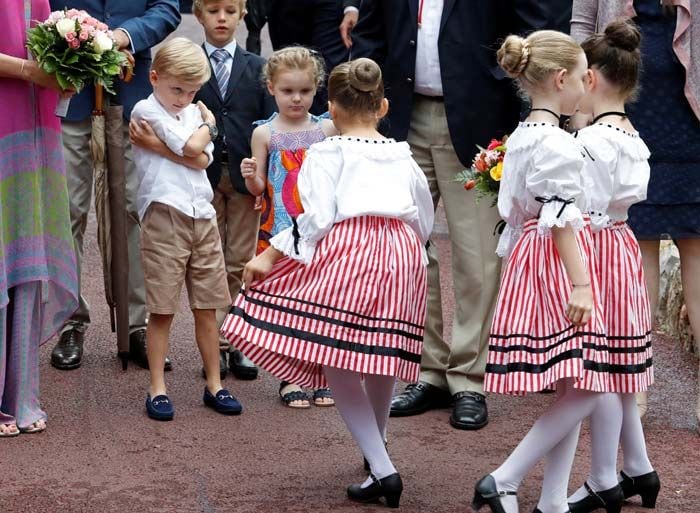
x=294, y=58
x=182, y=59
x=532, y=59
x=199, y=5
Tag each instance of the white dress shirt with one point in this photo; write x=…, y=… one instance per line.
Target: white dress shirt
x=231, y=48
x=428, y=79
x=616, y=170
x=345, y=177
x=542, y=179
x=163, y=180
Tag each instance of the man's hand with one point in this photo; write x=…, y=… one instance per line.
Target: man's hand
x=121, y=39
x=349, y=21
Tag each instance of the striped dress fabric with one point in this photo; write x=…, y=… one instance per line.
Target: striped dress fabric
x=533, y=344
x=359, y=305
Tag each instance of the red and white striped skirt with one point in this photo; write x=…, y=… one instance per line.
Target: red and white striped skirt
x=359, y=305
x=626, y=307
x=533, y=344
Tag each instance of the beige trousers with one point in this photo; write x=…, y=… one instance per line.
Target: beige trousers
x=475, y=266
x=76, y=138
x=238, y=224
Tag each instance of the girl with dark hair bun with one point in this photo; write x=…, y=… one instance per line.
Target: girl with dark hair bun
x=667, y=115
x=617, y=172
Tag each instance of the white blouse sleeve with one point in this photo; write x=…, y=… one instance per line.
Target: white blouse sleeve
x=316, y=184
x=554, y=184
x=423, y=224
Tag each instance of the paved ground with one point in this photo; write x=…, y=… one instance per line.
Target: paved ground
x=102, y=454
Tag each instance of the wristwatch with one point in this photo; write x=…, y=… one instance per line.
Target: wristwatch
x=213, y=130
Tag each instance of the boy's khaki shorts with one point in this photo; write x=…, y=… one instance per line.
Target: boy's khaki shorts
x=176, y=248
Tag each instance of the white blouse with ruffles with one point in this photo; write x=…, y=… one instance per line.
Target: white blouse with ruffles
x=541, y=179
x=616, y=172
x=344, y=177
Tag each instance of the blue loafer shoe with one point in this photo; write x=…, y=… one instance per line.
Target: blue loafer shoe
x=160, y=407
x=223, y=402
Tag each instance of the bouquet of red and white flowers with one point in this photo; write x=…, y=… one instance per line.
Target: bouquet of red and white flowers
x=77, y=49
x=487, y=168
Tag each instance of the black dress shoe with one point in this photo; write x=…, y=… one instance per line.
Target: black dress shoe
x=223, y=366
x=68, y=352
x=647, y=486
x=485, y=492
x=389, y=487
x=137, y=351
x=610, y=500
x=419, y=398
x=241, y=367
x=469, y=411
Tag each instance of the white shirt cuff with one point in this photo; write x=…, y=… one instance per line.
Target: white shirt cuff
x=350, y=8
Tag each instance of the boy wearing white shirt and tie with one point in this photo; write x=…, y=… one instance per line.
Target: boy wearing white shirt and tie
x=179, y=235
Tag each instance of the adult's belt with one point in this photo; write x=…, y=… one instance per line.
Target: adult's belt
x=430, y=98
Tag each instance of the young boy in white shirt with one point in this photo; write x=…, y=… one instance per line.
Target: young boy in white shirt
x=180, y=239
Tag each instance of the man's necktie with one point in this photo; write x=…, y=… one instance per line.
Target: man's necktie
x=221, y=71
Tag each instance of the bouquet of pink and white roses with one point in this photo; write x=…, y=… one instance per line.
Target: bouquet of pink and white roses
x=77, y=49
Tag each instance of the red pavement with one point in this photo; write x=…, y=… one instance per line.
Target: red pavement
x=102, y=454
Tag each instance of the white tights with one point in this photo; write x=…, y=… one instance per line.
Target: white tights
x=636, y=461
x=555, y=436
x=365, y=410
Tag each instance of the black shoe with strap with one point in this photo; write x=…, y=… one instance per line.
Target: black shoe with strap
x=647, y=486
x=389, y=487
x=137, y=350
x=419, y=398
x=486, y=493
x=610, y=500
x=67, y=354
x=469, y=411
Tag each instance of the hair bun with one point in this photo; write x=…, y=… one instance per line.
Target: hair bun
x=623, y=35
x=514, y=55
x=365, y=75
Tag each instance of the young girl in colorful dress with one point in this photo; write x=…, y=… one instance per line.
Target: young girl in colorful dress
x=279, y=145
x=548, y=328
x=339, y=297
x=616, y=162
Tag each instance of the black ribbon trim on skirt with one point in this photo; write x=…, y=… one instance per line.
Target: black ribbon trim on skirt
x=586, y=345
x=546, y=337
x=329, y=320
x=247, y=293
x=532, y=368
x=327, y=341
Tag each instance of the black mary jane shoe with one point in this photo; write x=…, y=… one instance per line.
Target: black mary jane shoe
x=485, y=492
x=389, y=487
x=647, y=486
x=610, y=500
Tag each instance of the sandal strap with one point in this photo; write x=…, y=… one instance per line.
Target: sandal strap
x=297, y=395
x=322, y=393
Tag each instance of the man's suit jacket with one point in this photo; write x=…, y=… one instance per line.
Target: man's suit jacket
x=148, y=22
x=480, y=101
x=245, y=102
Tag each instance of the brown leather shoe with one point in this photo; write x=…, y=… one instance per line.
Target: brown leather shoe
x=137, y=351
x=67, y=354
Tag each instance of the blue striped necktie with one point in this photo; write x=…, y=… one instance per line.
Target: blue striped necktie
x=221, y=71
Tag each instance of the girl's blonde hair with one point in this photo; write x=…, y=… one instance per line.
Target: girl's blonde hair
x=199, y=5
x=182, y=59
x=532, y=59
x=357, y=86
x=294, y=58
